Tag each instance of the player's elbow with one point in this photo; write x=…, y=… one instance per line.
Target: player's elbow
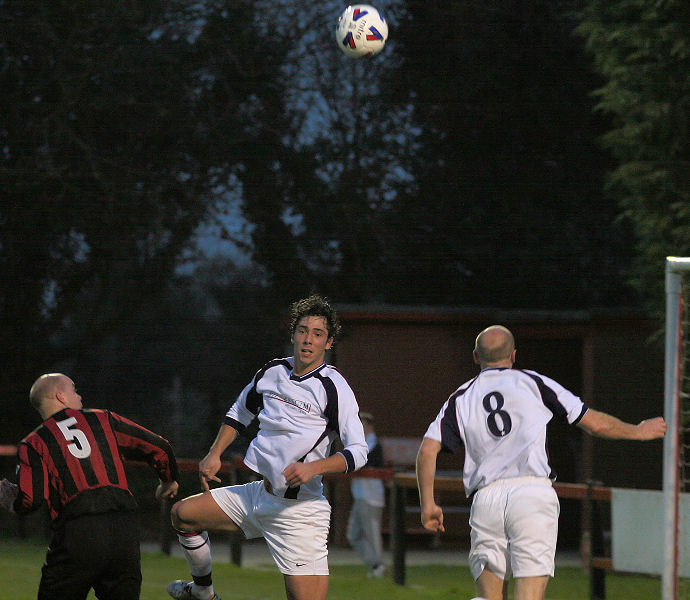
x=595, y=430
x=599, y=424
x=428, y=450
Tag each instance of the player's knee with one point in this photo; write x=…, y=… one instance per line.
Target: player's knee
x=175, y=515
x=180, y=518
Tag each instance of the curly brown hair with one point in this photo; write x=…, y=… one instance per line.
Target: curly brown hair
x=315, y=306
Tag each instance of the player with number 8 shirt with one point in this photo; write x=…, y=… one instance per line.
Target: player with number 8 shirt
x=500, y=418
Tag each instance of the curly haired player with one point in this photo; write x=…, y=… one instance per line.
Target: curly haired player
x=302, y=405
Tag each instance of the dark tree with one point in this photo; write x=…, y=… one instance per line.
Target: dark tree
x=121, y=125
x=509, y=208
x=643, y=51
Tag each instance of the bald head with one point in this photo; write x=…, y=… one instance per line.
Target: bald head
x=495, y=347
x=53, y=392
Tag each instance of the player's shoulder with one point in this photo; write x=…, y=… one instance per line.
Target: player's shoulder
x=284, y=364
x=329, y=376
x=530, y=372
x=334, y=373
x=33, y=435
x=540, y=378
x=96, y=411
x=102, y=415
x=513, y=377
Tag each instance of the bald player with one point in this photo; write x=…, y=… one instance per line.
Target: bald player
x=72, y=462
x=500, y=418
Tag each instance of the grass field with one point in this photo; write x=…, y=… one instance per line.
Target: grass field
x=20, y=563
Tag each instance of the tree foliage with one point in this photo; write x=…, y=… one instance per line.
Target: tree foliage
x=120, y=121
x=457, y=167
x=331, y=228
x=183, y=355
x=643, y=50
x=509, y=208
x=461, y=165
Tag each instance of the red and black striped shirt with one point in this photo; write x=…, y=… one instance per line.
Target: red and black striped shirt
x=74, y=462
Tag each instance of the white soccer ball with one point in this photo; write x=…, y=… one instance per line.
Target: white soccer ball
x=361, y=31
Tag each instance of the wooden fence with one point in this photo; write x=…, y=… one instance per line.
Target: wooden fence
x=594, y=496
x=596, y=500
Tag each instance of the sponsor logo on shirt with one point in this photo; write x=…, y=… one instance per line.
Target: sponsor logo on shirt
x=301, y=404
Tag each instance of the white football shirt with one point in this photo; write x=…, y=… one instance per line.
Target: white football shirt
x=299, y=418
x=500, y=416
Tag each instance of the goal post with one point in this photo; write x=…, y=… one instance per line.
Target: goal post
x=674, y=582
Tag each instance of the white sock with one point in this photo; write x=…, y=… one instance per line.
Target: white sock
x=197, y=551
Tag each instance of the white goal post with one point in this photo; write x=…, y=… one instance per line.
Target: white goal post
x=675, y=584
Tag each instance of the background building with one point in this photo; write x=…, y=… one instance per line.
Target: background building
x=403, y=363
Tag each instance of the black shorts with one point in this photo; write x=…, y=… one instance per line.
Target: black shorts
x=94, y=551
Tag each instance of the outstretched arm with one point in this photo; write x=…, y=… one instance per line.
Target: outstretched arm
x=138, y=443
x=432, y=514
x=603, y=425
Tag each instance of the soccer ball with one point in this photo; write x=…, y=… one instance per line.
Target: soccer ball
x=361, y=31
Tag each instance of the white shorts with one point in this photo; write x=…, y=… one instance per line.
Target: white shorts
x=514, y=528
x=296, y=531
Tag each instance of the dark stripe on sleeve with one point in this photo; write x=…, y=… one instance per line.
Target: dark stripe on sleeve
x=582, y=414
x=31, y=479
x=450, y=433
x=138, y=443
x=234, y=424
x=549, y=397
x=331, y=411
x=255, y=401
x=349, y=460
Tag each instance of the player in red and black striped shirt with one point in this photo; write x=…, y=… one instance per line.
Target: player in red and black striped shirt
x=73, y=462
